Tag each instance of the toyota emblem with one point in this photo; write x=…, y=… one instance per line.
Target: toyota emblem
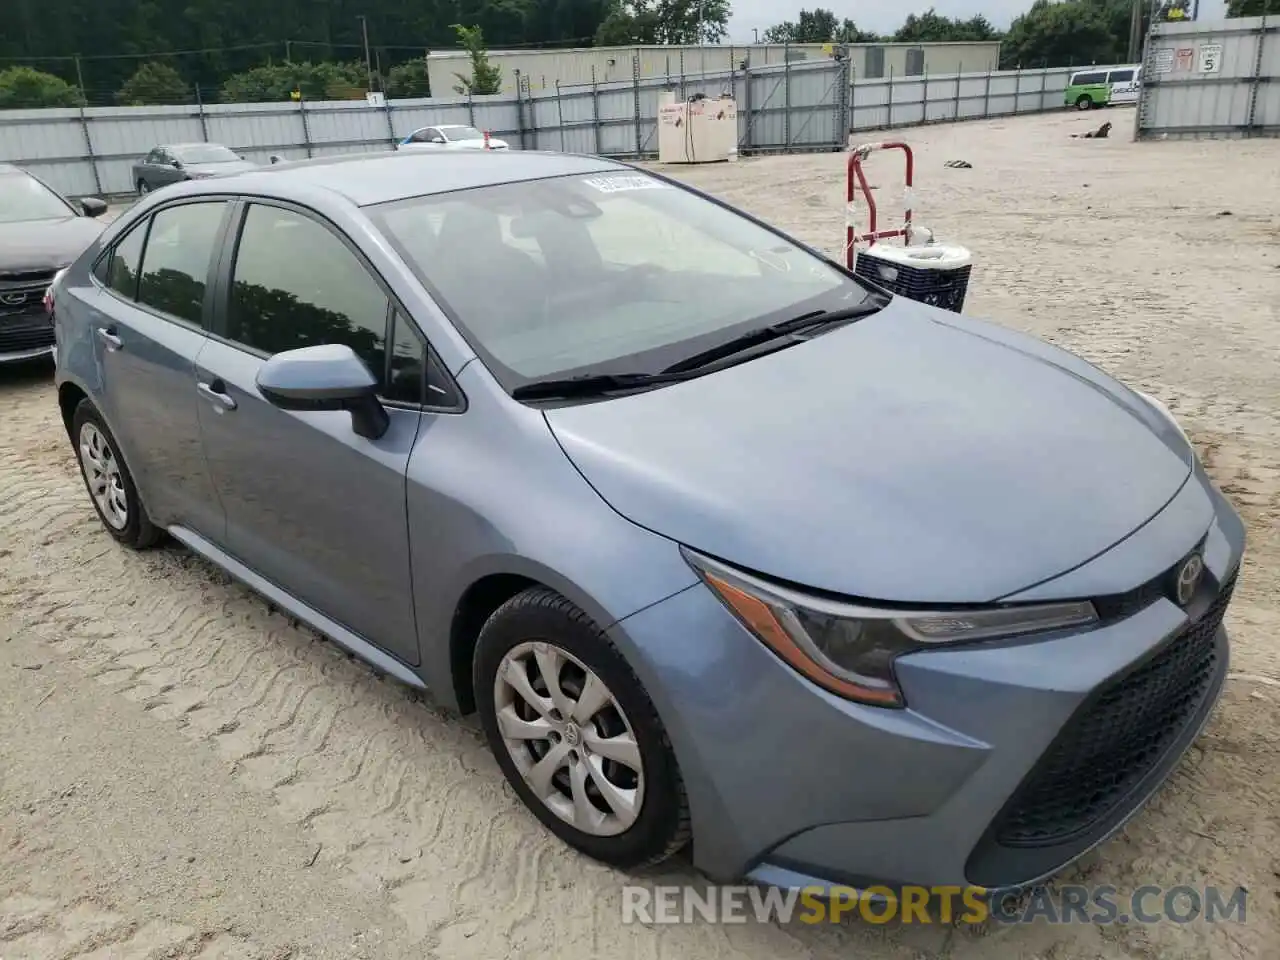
x=1188, y=579
x=13, y=299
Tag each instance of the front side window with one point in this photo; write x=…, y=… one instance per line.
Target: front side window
x=1121, y=76
x=295, y=284
x=126, y=261
x=607, y=273
x=24, y=198
x=175, y=267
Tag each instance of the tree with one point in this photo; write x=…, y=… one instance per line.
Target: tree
x=849, y=33
x=1063, y=32
x=409, y=79
x=931, y=27
x=1251, y=8
x=664, y=21
x=485, y=78
x=314, y=81
x=24, y=88
x=812, y=26
x=154, y=83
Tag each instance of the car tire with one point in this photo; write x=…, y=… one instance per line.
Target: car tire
x=108, y=481
x=537, y=629
x=1084, y=102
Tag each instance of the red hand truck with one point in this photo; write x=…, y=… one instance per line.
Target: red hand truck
x=856, y=182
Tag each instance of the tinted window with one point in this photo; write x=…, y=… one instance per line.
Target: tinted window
x=406, y=380
x=122, y=274
x=176, y=265
x=295, y=284
x=1086, y=79
x=1121, y=76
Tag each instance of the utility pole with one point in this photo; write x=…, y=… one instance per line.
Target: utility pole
x=756, y=32
x=368, y=61
x=1135, y=32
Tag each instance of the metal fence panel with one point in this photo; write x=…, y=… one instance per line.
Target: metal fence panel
x=797, y=106
x=1211, y=79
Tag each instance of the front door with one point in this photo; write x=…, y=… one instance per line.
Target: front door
x=148, y=314
x=311, y=506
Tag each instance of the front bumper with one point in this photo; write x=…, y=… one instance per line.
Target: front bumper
x=972, y=784
x=27, y=335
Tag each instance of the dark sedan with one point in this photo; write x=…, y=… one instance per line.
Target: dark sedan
x=40, y=233
x=176, y=162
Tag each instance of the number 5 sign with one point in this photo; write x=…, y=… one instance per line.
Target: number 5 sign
x=1210, y=60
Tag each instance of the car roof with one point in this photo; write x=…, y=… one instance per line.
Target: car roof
x=370, y=178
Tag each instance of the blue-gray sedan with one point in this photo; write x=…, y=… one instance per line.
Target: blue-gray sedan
x=723, y=544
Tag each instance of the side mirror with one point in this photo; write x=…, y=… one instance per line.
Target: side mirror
x=326, y=377
x=274, y=159
x=93, y=206
x=177, y=164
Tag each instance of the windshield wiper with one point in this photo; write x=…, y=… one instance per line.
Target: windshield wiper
x=784, y=329
x=592, y=385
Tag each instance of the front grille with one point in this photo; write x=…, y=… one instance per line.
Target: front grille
x=1114, y=741
x=11, y=278
x=22, y=332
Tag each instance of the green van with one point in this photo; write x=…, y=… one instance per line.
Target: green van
x=1103, y=87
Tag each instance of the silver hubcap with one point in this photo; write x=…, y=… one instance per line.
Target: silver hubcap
x=569, y=738
x=102, y=470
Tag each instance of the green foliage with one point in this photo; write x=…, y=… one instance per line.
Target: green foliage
x=485, y=79
x=1062, y=32
x=1252, y=8
x=811, y=26
x=931, y=27
x=664, y=21
x=154, y=83
x=315, y=81
x=409, y=79
x=24, y=88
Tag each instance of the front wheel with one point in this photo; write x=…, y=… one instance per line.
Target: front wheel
x=575, y=733
x=1084, y=102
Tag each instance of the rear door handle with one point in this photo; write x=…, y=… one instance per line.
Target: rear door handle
x=213, y=392
x=108, y=336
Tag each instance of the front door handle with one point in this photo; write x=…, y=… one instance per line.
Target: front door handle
x=213, y=392
x=108, y=336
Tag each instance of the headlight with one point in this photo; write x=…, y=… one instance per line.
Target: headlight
x=1165, y=412
x=849, y=650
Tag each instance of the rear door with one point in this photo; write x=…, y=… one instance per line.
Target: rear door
x=148, y=310
x=311, y=506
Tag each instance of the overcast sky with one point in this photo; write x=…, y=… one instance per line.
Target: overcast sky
x=885, y=16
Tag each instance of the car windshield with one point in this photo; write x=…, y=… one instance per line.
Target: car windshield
x=26, y=198
x=461, y=133
x=603, y=274
x=204, y=153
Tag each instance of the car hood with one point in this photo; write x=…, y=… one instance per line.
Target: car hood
x=912, y=457
x=45, y=244
x=217, y=169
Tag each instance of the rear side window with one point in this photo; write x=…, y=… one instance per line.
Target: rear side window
x=126, y=258
x=1088, y=79
x=175, y=268
x=295, y=284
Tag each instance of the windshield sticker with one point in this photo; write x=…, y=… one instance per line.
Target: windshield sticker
x=617, y=184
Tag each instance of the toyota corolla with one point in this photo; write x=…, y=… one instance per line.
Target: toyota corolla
x=723, y=545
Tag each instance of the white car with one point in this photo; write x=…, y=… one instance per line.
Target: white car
x=449, y=136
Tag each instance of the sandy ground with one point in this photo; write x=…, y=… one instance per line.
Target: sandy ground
x=183, y=774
